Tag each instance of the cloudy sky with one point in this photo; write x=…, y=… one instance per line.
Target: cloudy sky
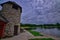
x=39, y=11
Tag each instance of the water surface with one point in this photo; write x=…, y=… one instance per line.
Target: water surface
x=51, y=31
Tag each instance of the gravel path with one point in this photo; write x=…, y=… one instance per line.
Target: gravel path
x=26, y=35
x=21, y=36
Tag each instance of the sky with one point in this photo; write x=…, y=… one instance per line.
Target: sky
x=38, y=11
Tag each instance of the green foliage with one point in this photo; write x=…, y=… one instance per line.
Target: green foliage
x=57, y=25
x=35, y=33
x=30, y=25
x=42, y=39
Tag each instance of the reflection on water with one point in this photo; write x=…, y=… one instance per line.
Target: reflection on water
x=52, y=31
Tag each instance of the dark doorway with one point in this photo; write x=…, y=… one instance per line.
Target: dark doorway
x=15, y=29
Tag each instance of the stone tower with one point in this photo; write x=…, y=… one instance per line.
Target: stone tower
x=12, y=12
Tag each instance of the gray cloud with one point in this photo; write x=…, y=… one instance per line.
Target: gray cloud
x=40, y=11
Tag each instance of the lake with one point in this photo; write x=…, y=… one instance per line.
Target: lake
x=51, y=31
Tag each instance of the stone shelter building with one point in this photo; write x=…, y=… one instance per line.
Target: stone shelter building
x=10, y=19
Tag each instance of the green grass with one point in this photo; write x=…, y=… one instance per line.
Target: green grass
x=42, y=39
x=35, y=33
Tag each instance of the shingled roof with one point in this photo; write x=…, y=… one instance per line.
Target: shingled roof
x=13, y=3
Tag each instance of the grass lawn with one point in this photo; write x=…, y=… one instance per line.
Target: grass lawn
x=35, y=33
x=42, y=39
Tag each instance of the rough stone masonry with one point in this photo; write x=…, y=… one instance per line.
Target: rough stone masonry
x=12, y=12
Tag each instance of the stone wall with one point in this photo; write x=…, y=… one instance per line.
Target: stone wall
x=13, y=16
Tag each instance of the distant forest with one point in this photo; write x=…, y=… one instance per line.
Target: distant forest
x=31, y=25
